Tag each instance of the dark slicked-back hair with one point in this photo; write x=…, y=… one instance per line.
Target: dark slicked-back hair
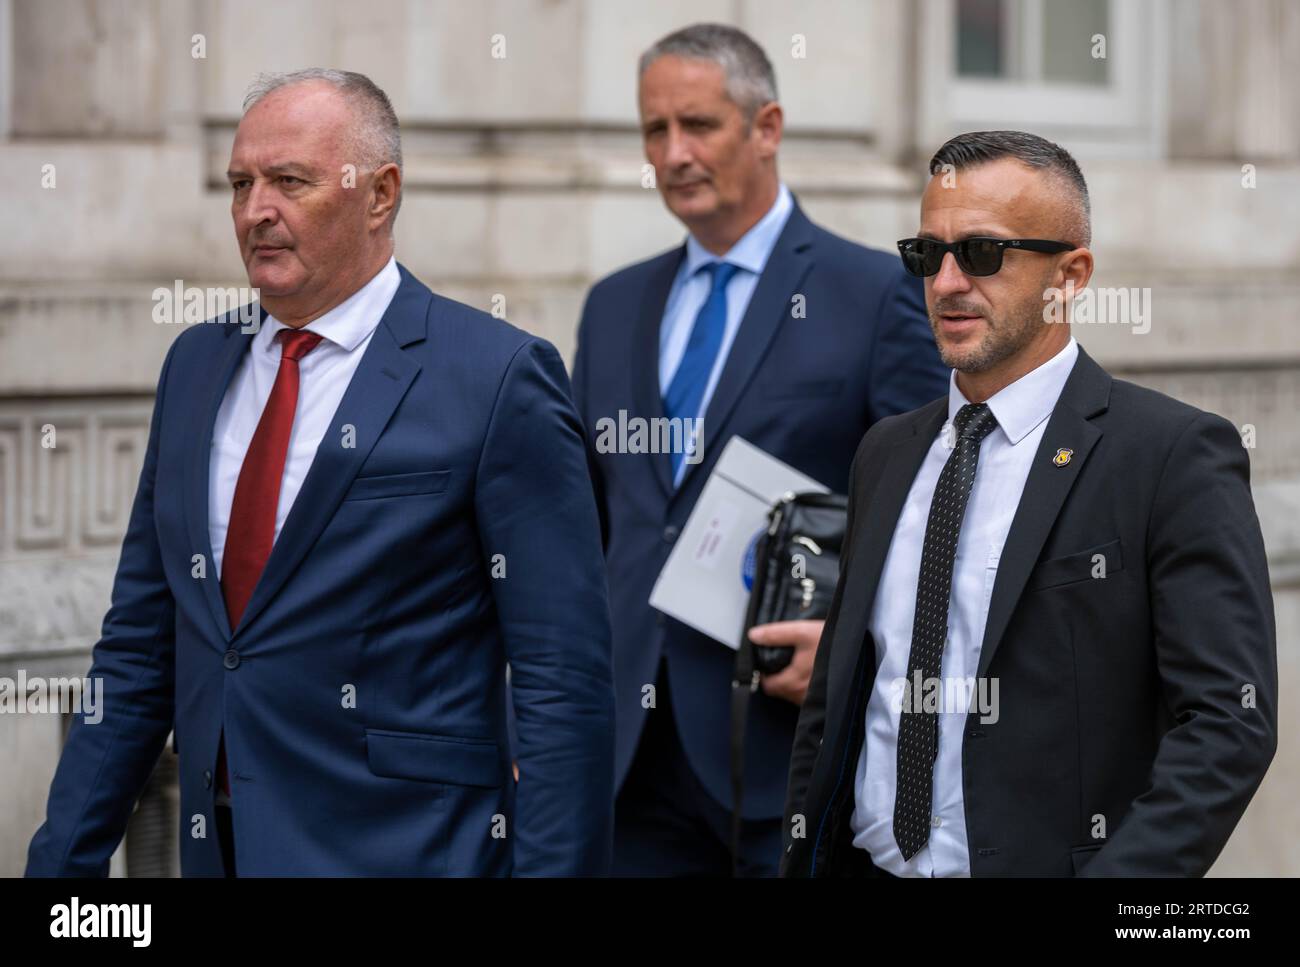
x=980, y=147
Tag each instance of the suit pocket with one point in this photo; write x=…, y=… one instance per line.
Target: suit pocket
x=1095, y=563
x=434, y=758
x=398, y=485
x=1080, y=856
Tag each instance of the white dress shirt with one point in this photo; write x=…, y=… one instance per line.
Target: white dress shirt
x=1022, y=410
x=690, y=290
x=324, y=375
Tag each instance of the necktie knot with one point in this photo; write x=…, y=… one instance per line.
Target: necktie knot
x=974, y=422
x=297, y=343
x=722, y=273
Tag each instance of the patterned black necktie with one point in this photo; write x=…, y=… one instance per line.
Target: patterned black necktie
x=918, y=731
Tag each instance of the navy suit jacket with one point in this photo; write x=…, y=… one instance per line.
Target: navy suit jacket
x=804, y=380
x=457, y=534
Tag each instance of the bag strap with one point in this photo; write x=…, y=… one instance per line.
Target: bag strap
x=744, y=683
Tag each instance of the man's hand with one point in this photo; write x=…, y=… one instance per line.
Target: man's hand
x=791, y=683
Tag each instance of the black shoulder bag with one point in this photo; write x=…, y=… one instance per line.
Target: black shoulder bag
x=797, y=562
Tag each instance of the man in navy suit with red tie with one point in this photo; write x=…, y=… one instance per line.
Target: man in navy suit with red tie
x=347, y=523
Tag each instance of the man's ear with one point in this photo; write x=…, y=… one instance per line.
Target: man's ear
x=769, y=122
x=1076, y=267
x=386, y=189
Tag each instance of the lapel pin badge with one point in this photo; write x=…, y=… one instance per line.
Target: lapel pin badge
x=1062, y=457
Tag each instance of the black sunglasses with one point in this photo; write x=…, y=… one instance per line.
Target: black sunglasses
x=975, y=256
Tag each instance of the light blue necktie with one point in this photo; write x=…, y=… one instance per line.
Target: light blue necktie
x=686, y=391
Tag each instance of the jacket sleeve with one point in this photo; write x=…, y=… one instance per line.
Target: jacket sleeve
x=111, y=750
x=1216, y=655
x=581, y=362
x=534, y=505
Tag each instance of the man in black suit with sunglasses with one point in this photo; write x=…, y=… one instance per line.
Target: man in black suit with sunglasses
x=1052, y=647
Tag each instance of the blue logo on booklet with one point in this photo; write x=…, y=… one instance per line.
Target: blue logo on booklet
x=749, y=562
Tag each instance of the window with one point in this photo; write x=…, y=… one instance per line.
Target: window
x=1048, y=41
x=1088, y=73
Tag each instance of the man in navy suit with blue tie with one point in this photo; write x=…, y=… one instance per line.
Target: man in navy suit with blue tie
x=761, y=325
x=351, y=516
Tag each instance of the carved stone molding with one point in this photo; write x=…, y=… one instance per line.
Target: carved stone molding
x=63, y=511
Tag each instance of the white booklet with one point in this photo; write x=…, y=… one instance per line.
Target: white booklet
x=707, y=578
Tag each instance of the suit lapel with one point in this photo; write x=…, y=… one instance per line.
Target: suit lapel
x=1086, y=393
x=381, y=380
x=644, y=364
x=875, y=525
x=768, y=307
x=198, y=461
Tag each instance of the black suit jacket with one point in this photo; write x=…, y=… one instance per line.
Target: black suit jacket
x=1142, y=704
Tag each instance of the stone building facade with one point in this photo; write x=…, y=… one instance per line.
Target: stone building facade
x=524, y=183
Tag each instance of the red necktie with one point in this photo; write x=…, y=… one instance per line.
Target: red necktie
x=251, y=532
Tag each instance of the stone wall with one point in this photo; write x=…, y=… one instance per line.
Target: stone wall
x=523, y=180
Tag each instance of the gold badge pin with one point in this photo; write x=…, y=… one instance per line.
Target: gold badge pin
x=1062, y=457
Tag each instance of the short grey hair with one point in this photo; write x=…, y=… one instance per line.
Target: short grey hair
x=377, y=139
x=750, y=80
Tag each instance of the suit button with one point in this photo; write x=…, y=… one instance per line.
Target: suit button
x=207, y=778
x=231, y=661
x=670, y=534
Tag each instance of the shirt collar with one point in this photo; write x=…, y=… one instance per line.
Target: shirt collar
x=752, y=249
x=349, y=323
x=1027, y=402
